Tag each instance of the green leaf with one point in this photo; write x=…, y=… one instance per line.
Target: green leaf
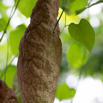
x=78, y=4
x=15, y=37
x=3, y=55
x=72, y=92
x=77, y=55
x=81, y=10
x=2, y=24
x=83, y=33
x=10, y=75
x=65, y=38
x=64, y=92
x=3, y=9
x=26, y=6
x=64, y=4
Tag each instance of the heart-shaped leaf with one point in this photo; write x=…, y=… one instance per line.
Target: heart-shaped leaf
x=77, y=55
x=64, y=92
x=83, y=33
x=11, y=71
x=2, y=24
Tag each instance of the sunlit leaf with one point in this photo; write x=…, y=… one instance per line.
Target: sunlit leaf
x=10, y=75
x=78, y=4
x=64, y=38
x=3, y=55
x=64, y=4
x=3, y=9
x=72, y=92
x=68, y=18
x=2, y=24
x=15, y=37
x=71, y=6
x=77, y=55
x=80, y=11
x=26, y=6
x=83, y=33
x=64, y=92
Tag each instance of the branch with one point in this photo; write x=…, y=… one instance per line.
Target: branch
x=7, y=95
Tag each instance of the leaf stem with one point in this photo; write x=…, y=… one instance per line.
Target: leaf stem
x=11, y=15
x=57, y=22
x=81, y=10
x=59, y=19
x=5, y=69
x=7, y=58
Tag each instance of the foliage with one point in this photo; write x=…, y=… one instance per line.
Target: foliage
x=81, y=10
x=11, y=71
x=15, y=37
x=28, y=5
x=2, y=24
x=72, y=5
x=83, y=33
x=77, y=55
x=64, y=92
x=75, y=37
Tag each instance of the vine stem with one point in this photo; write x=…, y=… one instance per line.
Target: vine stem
x=78, y=82
x=5, y=69
x=59, y=19
x=57, y=22
x=63, y=28
x=7, y=58
x=11, y=15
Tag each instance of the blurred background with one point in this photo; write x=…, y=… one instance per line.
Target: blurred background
x=81, y=72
